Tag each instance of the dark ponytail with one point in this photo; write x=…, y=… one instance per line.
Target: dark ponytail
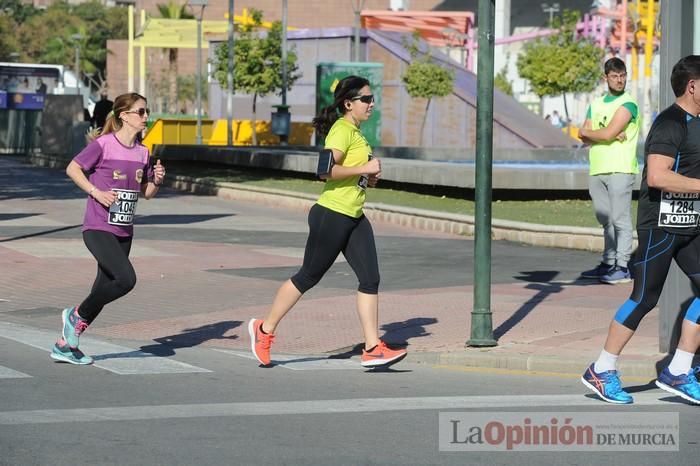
x=345, y=89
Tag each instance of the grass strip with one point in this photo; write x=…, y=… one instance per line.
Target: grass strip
x=570, y=212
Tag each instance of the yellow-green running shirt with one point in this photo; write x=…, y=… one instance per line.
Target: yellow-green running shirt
x=347, y=195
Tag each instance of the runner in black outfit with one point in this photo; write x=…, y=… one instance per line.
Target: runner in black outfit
x=668, y=227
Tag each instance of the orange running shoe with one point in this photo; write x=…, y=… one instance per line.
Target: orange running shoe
x=381, y=355
x=260, y=342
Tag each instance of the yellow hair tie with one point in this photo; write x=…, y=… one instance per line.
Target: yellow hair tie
x=334, y=85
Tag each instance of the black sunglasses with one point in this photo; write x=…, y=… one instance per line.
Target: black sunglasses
x=140, y=111
x=365, y=99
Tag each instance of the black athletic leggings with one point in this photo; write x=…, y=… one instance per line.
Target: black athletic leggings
x=331, y=233
x=650, y=267
x=115, y=274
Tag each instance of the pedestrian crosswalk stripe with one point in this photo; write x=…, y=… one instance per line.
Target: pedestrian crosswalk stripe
x=298, y=362
x=113, y=358
x=7, y=373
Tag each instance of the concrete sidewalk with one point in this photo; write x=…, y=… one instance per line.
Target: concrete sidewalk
x=207, y=264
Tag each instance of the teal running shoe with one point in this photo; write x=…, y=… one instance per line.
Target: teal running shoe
x=606, y=385
x=685, y=385
x=63, y=352
x=73, y=326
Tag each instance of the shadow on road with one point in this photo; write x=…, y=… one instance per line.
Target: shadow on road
x=177, y=219
x=192, y=337
x=543, y=282
x=396, y=334
x=40, y=233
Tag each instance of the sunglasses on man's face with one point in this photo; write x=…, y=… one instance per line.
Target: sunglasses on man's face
x=365, y=99
x=140, y=111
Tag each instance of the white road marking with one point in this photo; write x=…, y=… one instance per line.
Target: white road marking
x=7, y=373
x=113, y=358
x=279, y=408
x=302, y=362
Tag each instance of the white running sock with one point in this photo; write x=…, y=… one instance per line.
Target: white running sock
x=606, y=362
x=681, y=362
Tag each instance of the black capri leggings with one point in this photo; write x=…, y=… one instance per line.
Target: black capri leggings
x=649, y=268
x=331, y=233
x=115, y=274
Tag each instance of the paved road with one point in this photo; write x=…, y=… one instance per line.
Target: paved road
x=237, y=413
x=173, y=382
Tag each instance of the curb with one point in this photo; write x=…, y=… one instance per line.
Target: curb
x=505, y=360
x=555, y=236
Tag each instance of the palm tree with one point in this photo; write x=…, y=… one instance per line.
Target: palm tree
x=173, y=10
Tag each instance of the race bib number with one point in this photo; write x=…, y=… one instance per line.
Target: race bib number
x=122, y=211
x=679, y=210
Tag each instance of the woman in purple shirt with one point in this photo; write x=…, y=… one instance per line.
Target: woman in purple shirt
x=118, y=170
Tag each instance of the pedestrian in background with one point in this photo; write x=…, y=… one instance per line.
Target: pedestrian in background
x=556, y=120
x=612, y=130
x=668, y=229
x=118, y=170
x=101, y=110
x=337, y=224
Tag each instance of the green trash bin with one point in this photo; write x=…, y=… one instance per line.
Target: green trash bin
x=328, y=72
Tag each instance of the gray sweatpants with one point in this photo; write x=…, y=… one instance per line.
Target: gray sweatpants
x=612, y=201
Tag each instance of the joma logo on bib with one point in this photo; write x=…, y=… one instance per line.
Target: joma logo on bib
x=122, y=211
x=678, y=220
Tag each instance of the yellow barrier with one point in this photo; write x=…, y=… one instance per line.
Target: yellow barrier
x=300, y=133
x=572, y=131
x=177, y=131
x=184, y=131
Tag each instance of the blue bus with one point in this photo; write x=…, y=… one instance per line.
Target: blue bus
x=24, y=85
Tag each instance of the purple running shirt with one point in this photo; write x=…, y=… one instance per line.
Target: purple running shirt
x=114, y=166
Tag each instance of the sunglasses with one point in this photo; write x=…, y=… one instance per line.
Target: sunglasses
x=365, y=99
x=140, y=111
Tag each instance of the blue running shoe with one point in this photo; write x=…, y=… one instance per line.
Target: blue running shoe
x=616, y=275
x=73, y=326
x=685, y=385
x=63, y=352
x=597, y=271
x=606, y=385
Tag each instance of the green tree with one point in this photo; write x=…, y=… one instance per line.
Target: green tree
x=101, y=24
x=501, y=82
x=8, y=41
x=562, y=62
x=39, y=30
x=173, y=10
x=46, y=36
x=424, y=79
x=18, y=10
x=258, y=59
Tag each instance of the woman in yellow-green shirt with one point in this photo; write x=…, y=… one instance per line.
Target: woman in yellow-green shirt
x=337, y=224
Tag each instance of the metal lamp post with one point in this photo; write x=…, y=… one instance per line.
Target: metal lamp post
x=281, y=118
x=481, y=322
x=202, y=4
x=358, y=5
x=76, y=38
x=229, y=77
x=283, y=107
